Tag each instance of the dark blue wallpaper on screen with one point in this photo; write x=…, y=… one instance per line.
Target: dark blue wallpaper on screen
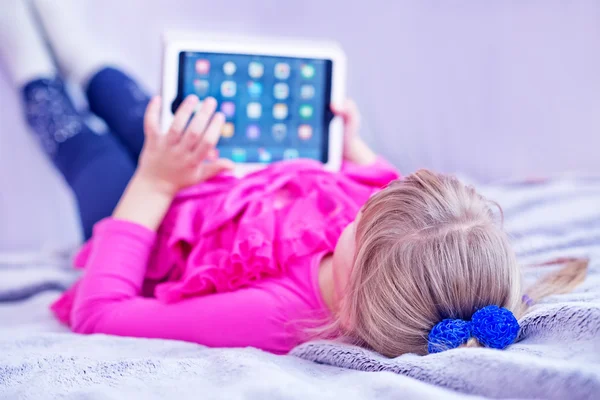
x=269, y=86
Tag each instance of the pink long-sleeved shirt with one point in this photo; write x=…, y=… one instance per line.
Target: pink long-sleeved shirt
x=235, y=262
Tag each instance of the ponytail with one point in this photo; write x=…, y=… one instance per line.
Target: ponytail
x=562, y=281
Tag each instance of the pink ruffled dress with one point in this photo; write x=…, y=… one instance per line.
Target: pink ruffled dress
x=248, y=246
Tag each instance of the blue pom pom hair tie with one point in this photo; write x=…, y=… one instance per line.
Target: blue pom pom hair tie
x=492, y=326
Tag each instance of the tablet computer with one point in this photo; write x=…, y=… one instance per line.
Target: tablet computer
x=274, y=93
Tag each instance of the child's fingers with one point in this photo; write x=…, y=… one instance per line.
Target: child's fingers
x=350, y=107
x=198, y=124
x=152, y=119
x=214, y=168
x=211, y=136
x=349, y=112
x=213, y=154
x=338, y=110
x=181, y=119
x=352, y=116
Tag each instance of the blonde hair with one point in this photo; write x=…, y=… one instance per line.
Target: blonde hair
x=430, y=248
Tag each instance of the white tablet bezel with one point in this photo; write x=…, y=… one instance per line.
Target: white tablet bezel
x=176, y=42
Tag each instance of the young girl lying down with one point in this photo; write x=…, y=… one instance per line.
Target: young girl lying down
x=418, y=264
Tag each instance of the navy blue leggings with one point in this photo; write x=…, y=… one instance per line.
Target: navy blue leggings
x=96, y=165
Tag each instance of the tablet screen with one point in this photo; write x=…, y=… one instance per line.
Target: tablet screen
x=276, y=108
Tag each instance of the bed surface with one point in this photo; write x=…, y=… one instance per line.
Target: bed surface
x=558, y=355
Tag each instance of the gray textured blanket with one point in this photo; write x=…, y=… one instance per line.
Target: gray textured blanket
x=557, y=356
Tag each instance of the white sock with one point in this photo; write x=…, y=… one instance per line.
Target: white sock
x=78, y=54
x=22, y=49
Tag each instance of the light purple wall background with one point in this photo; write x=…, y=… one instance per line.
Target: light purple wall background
x=493, y=89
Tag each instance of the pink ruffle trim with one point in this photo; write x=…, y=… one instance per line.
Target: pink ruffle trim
x=228, y=233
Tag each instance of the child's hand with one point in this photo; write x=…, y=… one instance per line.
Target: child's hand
x=186, y=154
x=355, y=150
